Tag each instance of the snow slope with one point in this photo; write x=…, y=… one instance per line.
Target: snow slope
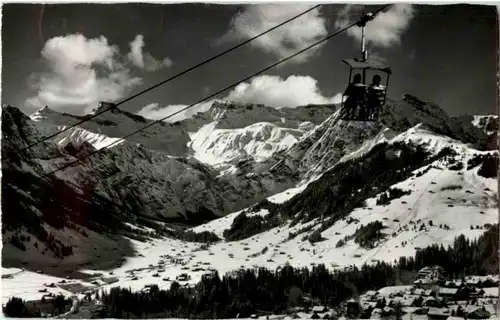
x=78, y=135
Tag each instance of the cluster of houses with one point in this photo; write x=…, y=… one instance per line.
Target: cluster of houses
x=430, y=297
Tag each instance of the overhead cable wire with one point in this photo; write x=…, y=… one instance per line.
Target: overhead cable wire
x=113, y=105
x=210, y=96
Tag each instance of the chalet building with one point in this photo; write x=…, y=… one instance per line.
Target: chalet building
x=453, y=284
x=183, y=277
x=352, y=307
x=418, y=291
x=475, y=282
x=426, y=282
x=490, y=282
x=319, y=309
x=431, y=302
x=478, y=313
x=405, y=301
x=424, y=292
x=448, y=293
x=438, y=313
x=436, y=272
x=368, y=307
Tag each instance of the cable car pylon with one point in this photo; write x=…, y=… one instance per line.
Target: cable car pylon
x=362, y=102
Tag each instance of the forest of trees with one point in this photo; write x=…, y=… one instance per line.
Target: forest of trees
x=367, y=236
x=191, y=236
x=488, y=162
x=247, y=292
x=262, y=290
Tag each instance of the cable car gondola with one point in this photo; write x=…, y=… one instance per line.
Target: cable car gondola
x=362, y=102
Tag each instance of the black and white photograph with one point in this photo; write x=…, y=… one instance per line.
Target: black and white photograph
x=250, y=160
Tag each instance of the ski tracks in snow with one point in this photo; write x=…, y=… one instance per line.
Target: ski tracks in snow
x=411, y=216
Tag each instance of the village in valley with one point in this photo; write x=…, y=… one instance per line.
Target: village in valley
x=431, y=296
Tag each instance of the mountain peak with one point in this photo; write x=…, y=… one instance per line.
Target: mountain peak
x=403, y=114
x=412, y=99
x=42, y=113
x=424, y=106
x=103, y=105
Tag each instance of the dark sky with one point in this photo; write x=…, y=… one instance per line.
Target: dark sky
x=447, y=54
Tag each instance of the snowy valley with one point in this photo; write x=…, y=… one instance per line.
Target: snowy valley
x=237, y=187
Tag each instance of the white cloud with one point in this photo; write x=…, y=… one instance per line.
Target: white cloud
x=285, y=40
x=81, y=72
x=145, y=60
x=272, y=91
x=154, y=111
x=276, y=92
x=385, y=30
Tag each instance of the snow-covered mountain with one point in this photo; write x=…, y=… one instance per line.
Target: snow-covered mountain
x=232, y=132
x=298, y=185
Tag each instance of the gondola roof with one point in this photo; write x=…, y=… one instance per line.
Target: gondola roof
x=368, y=64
